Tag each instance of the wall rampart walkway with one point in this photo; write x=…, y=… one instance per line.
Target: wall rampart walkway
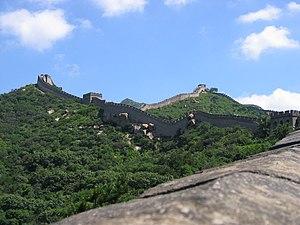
x=167, y=128
x=201, y=88
x=124, y=115
x=45, y=87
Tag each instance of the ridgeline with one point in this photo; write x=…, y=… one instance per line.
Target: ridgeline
x=213, y=103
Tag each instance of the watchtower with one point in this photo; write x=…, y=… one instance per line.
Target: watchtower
x=47, y=79
x=200, y=88
x=289, y=117
x=88, y=98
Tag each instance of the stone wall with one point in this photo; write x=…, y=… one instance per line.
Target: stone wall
x=201, y=88
x=46, y=87
x=88, y=98
x=227, y=120
x=289, y=117
x=263, y=189
x=113, y=112
x=125, y=115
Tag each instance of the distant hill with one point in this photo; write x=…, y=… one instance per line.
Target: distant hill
x=255, y=107
x=214, y=103
x=130, y=102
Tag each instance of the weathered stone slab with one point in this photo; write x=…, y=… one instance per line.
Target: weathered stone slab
x=262, y=190
x=241, y=198
x=292, y=139
x=284, y=163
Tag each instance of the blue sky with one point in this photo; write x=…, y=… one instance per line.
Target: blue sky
x=149, y=50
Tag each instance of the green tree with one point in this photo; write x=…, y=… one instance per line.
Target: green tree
x=282, y=130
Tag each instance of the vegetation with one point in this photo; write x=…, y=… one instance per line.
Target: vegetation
x=130, y=102
x=207, y=102
x=213, y=90
x=282, y=130
x=57, y=158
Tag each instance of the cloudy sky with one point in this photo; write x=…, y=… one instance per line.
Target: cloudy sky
x=149, y=50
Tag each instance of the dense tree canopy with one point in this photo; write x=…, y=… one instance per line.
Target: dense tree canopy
x=57, y=158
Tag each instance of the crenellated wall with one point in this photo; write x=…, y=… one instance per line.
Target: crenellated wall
x=289, y=117
x=201, y=88
x=112, y=112
x=227, y=120
x=124, y=115
x=47, y=87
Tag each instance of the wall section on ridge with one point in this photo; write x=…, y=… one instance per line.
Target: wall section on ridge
x=227, y=120
x=125, y=115
x=113, y=112
x=168, y=101
x=45, y=87
x=201, y=88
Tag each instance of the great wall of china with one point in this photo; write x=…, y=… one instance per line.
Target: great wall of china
x=201, y=88
x=125, y=115
x=45, y=84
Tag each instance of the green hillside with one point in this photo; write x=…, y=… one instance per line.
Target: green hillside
x=130, y=102
x=57, y=158
x=207, y=102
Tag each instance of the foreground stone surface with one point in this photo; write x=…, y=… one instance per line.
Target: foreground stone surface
x=293, y=139
x=262, y=190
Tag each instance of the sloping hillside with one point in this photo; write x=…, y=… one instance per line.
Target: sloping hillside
x=214, y=103
x=57, y=158
x=130, y=102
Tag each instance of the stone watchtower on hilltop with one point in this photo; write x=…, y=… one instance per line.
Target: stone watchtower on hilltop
x=200, y=88
x=290, y=117
x=88, y=98
x=47, y=79
x=46, y=84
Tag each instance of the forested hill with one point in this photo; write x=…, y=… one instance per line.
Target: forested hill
x=130, y=102
x=57, y=158
x=214, y=103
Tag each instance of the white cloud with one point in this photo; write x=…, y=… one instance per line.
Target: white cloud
x=85, y=24
x=236, y=3
x=176, y=2
x=270, y=38
x=119, y=7
x=37, y=30
x=59, y=57
x=203, y=30
x=269, y=13
x=63, y=68
x=72, y=70
x=279, y=100
x=293, y=6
